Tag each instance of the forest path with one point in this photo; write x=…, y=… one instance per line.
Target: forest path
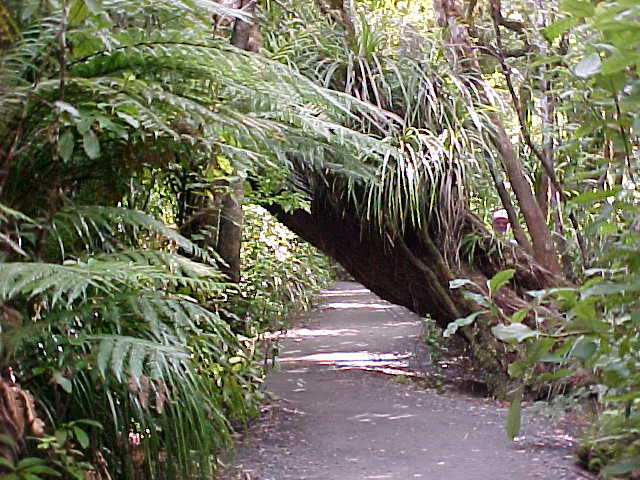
x=342, y=411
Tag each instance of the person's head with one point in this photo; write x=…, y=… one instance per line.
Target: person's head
x=500, y=221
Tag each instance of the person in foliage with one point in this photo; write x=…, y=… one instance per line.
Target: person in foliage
x=500, y=221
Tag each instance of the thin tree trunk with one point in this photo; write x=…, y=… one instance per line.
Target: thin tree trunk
x=518, y=232
x=229, y=240
x=246, y=35
x=222, y=215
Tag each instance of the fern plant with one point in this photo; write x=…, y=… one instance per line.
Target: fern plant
x=145, y=95
x=121, y=338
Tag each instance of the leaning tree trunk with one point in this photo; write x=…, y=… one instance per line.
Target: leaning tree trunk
x=410, y=269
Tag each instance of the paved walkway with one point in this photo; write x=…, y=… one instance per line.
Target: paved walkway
x=345, y=409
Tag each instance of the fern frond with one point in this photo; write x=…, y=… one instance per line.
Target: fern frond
x=171, y=262
x=128, y=357
x=75, y=281
x=107, y=223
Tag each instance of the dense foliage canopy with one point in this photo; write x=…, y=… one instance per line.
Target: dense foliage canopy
x=384, y=132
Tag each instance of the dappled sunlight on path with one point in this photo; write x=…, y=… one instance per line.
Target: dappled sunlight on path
x=347, y=409
x=343, y=292
x=389, y=363
x=368, y=314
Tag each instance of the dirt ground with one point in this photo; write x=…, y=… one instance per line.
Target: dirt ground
x=347, y=406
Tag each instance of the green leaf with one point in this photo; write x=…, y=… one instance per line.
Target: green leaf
x=29, y=462
x=514, y=333
x=616, y=374
x=88, y=421
x=61, y=436
x=568, y=296
x=461, y=322
x=66, y=145
x=81, y=436
x=129, y=119
x=578, y=8
x=104, y=354
x=537, y=349
x=514, y=417
x=6, y=464
x=551, y=358
x=562, y=373
x=608, y=228
x=520, y=315
x=619, y=62
x=67, y=107
x=29, y=476
x=120, y=351
x=612, y=82
x=84, y=124
x=477, y=298
x=586, y=318
x=620, y=468
x=588, y=66
x=558, y=27
x=78, y=12
x=584, y=349
x=136, y=360
x=627, y=397
x=500, y=279
x=612, y=288
x=595, y=196
x=91, y=144
x=43, y=469
x=64, y=382
x=93, y=5
x=517, y=369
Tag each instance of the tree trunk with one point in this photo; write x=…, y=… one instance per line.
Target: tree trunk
x=338, y=11
x=229, y=239
x=222, y=216
x=393, y=272
x=246, y=35
x=18, y=418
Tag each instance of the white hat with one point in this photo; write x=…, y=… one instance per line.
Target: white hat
x=499, y=214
